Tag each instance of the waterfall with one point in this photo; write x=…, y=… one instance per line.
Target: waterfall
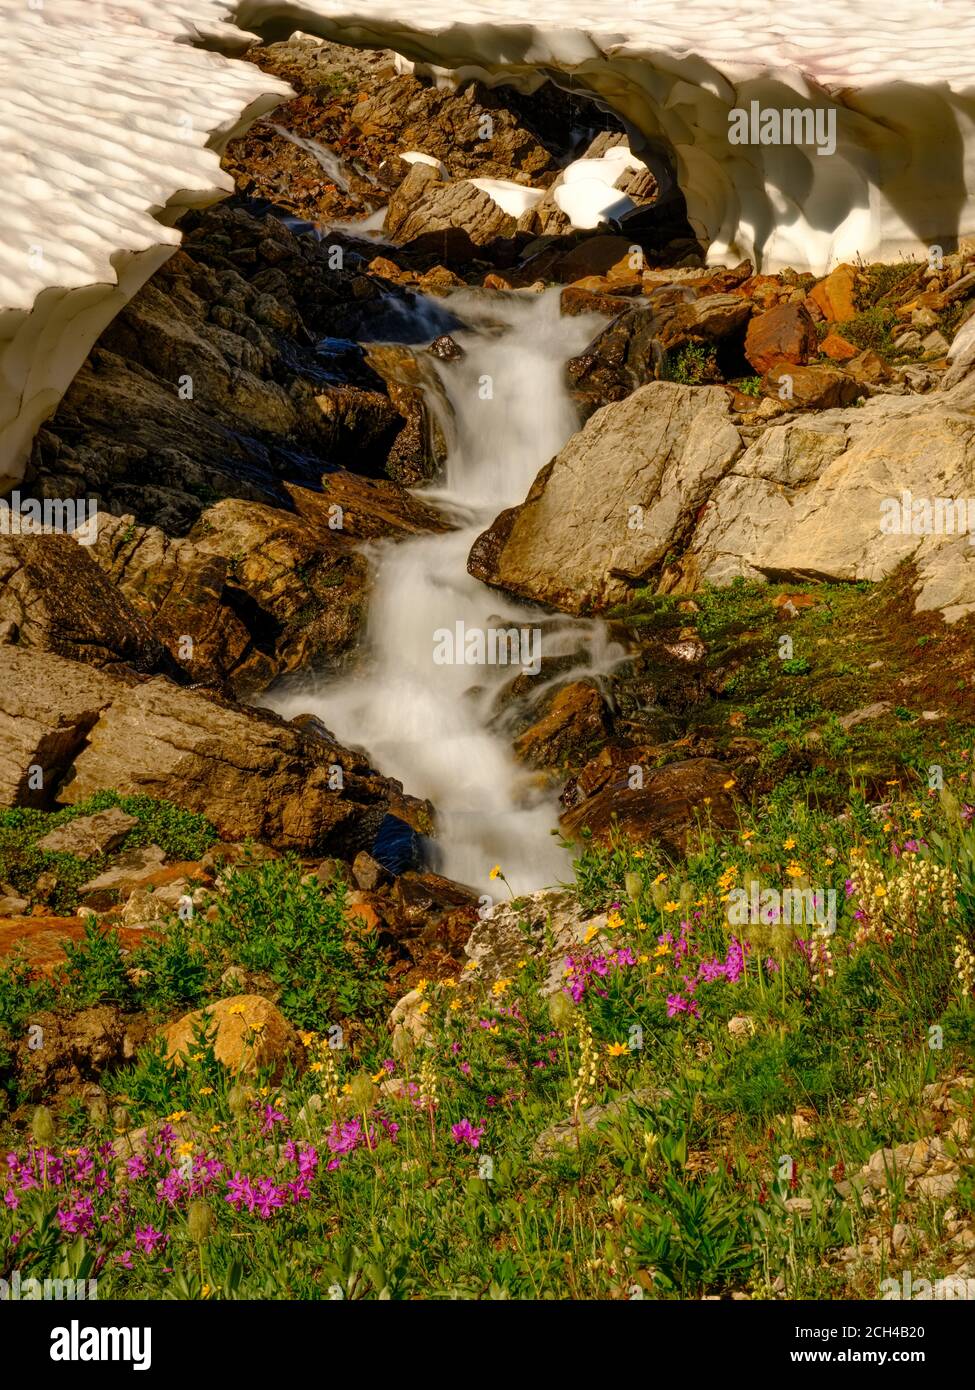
x=423, y=719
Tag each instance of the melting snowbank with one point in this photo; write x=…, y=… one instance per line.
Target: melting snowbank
x=898, y=77
x=111, y=123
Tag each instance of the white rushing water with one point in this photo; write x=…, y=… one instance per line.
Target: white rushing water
x=424, y=722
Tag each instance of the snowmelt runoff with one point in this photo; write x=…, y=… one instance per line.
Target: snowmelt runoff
x=113, y=114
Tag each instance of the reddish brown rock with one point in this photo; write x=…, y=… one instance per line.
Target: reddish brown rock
x=810, y=388
x=783, y=334
x=835, y=297
x=837, y=348
x=672, y=800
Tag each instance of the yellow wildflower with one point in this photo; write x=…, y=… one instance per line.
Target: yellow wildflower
x=175, y=1117
x=495, y=872
x=789, y=843
x=617, y=1049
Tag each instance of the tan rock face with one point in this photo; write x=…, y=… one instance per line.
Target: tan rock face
x=248, y=1032
x=777, y=514
x=603, y=514
x=48, y=706
x=782, y=334
x=250, y=773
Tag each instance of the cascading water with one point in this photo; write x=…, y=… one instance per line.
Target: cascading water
x=424, y=720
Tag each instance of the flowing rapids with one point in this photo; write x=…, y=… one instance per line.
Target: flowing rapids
x=440, y=727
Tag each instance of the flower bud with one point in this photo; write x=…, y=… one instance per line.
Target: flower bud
x=560, y=1010
x=42, y=1127
x=200, y=1220
x=634, y=885
x=238, y=1099
x=362, y=1092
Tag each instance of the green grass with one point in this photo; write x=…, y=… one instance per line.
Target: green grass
x=181, y=834
x=683, y=1192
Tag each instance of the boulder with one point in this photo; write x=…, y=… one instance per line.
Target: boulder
x=86, y=836
x=62, y=602
x=425, y=205
x=776, y=516
x=249, y=1035
x=48, y=707
x=837, y=349
x=783, y=334
x=706, y=319
x=251, y=774
x=835, y=296
x=672, y=801
x=810, y=388
x=602, y=516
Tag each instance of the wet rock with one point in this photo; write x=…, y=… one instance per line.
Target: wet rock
x=668, y=806
x=575, y=718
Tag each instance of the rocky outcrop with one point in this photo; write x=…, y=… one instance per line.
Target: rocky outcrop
x=67, y=731
x=776, y=513
x=248, y=1034
x=59, y=600
x=425, y=206
x=605, y=512
x=256, y=591
x=251, y=774
x=48, y=707
x=212, y=383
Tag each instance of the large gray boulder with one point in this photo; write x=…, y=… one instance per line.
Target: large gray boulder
x=603, y=514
